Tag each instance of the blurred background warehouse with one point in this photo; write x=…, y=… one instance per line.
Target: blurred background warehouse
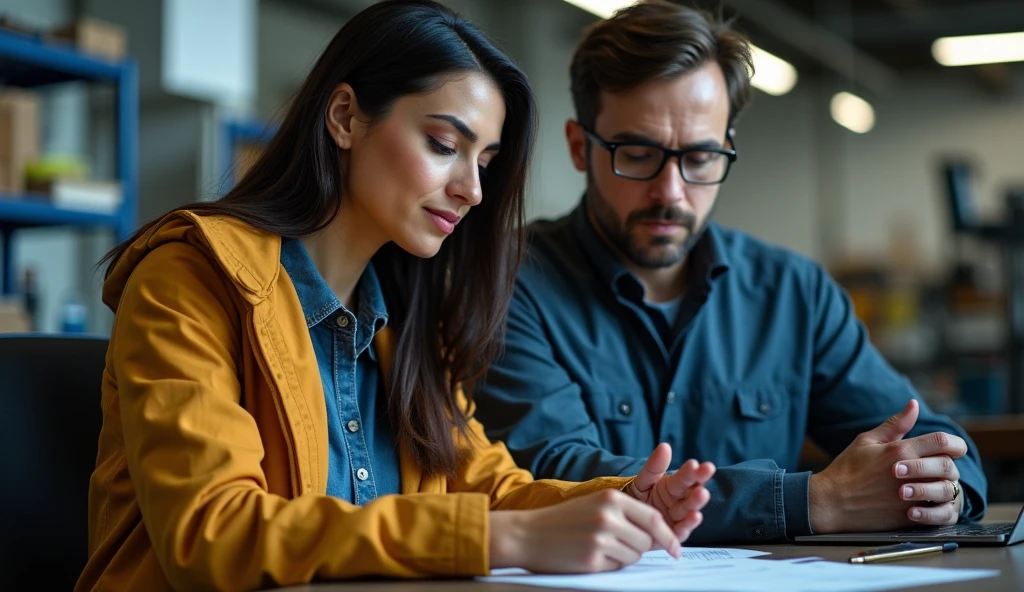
x=901, y=175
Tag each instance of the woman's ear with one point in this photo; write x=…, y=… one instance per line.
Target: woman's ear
x=342, y=112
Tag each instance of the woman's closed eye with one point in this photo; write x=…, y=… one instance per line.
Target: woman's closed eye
x=440, y=148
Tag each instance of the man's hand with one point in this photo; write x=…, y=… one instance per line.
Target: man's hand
x=883, y=482
x=679, y=496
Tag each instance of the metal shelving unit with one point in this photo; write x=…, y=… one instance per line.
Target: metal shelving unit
x=30, y=62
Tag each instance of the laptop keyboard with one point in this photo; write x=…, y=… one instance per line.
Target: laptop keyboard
x=972, y=529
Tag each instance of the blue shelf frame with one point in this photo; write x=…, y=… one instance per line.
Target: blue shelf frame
x=29, y=61
x=235, y=132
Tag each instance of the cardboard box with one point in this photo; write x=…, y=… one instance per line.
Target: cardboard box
x=96, y=37
x=19, y=137
x=13, y=318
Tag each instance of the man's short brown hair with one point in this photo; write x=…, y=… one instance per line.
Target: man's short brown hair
x=651, y=40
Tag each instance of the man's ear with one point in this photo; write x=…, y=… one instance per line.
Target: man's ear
x=577, y=141
x=342, y=112
x=732, y=136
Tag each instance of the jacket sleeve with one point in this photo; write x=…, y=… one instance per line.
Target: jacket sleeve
x=488, y=467
x=194, y=456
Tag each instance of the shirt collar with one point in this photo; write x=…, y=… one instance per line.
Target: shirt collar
x=316, y=297
x=708, y=257
x=373, y=311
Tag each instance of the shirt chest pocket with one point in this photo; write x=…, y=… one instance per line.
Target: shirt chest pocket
x=614, y=396
x=761, y=404
x=762, y=425
x=621, y=417
x=619, y=404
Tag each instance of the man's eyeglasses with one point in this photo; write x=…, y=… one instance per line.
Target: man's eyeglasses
x=643, y=162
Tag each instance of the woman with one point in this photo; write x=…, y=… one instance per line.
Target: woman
x=284, y=365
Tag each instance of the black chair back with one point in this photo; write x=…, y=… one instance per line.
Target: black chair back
x=49, y=425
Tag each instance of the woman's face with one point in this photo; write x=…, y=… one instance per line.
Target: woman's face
x=412, y=175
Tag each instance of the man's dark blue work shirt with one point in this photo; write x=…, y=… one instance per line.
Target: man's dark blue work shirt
x=765, y=349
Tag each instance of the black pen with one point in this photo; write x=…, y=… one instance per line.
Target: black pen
x=901, y=551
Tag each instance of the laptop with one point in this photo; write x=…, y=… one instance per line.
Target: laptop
x=966, y=533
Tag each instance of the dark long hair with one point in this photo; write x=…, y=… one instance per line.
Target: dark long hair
x=449, y=310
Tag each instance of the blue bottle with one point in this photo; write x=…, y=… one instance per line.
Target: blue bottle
x=73, y=315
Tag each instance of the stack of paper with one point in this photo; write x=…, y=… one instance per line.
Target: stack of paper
x=735, y=570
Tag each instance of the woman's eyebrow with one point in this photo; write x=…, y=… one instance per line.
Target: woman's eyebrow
x=463, y=128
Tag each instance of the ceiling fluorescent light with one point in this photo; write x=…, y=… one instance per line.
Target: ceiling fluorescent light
x=852, y=112
x=772, y=74
x=979, y=49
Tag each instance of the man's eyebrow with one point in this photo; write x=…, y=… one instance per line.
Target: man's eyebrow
x=633, y=137
x=463, y=128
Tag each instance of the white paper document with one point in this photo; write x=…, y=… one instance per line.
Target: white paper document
x=698, y=554
x=734, y=570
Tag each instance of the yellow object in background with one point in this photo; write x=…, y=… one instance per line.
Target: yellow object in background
x=44, y=170
x=899, y=307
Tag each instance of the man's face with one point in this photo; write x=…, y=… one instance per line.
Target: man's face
x=654, y=223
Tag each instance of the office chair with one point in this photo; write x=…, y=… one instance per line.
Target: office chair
x=49, y=425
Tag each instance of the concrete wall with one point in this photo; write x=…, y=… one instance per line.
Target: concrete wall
x=801, y=181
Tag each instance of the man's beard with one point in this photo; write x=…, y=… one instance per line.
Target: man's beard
x=660, y=251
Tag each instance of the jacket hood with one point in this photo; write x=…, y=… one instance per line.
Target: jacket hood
x=239, y=249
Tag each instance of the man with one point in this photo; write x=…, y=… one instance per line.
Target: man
x=637, y=320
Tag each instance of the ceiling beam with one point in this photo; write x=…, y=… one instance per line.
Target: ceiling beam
x=818, y=43
x=990, y=16
x=329, y=8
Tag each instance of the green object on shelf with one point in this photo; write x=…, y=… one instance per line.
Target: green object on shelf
x=29, y=61
x=58, y=166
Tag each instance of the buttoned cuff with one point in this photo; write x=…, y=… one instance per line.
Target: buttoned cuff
x=795, y=503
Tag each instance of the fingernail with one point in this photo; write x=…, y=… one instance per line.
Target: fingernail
x=908, y=492
x=901, y=469
x=915, y=514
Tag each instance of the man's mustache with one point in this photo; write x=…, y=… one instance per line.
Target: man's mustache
x=663, y=214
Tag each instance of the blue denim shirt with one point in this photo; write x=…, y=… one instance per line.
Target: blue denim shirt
x=765, y=349
x=363, y=455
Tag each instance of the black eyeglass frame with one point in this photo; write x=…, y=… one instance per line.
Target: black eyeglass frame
x=666, y=153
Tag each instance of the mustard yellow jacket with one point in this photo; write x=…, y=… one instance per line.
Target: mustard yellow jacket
x=212, y=463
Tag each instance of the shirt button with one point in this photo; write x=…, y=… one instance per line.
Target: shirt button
x=362, y=474
x=764, y=408
x=353, y=426
x=759, y=531
x=625, y=408
x=342, y=321
x=671, y=398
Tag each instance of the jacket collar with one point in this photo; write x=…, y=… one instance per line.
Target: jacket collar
x=247, y=255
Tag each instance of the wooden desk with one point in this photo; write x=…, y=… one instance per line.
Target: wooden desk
x=1008, y=560
x=996, y=437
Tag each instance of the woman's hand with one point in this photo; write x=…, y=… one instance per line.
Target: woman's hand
x=679, y=496
x=609, y=529
x=602, y=531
